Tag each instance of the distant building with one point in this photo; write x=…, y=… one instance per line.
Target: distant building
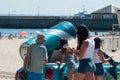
x=83, y=15
x=108, y=12
x=118, y=16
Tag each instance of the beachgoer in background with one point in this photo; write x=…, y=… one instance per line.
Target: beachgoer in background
x=98, y=58
x=68, y=58
x=85, y=50
x=15, y=35
x=0, y=35
x=10, y=36
x=38, y=58
x=96, y=33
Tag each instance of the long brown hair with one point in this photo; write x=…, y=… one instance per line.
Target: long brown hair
x=97, y=42
x=82, y=34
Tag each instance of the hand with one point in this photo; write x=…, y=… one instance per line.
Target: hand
x=58, y=63
x=110, y=57
x=74, y=50
x=70, y=50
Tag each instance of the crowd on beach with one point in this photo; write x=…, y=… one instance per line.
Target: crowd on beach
x=15, y=36
x=83, y=61
x=31, y=34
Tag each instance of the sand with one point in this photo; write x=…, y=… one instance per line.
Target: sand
x=10, y=60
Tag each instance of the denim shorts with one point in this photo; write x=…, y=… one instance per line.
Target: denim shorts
x=86, y=66
x=99, y=69
x=71, y=65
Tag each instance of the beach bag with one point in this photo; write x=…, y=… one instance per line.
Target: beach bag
x=28, y=60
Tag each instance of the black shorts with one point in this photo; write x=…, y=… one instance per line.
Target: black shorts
x=86, y=66
x=99, y=69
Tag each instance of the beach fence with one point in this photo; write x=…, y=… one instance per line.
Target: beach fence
x=111, y=43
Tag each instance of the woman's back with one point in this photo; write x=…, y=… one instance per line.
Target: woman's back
x=90, y=50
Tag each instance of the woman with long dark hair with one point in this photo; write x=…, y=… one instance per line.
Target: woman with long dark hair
x=98, y=59
x=85, y=50
x=68, y=59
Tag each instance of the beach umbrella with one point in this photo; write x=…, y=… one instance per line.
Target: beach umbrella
x=22, y=33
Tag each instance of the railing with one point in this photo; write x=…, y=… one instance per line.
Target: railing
x=111, y=43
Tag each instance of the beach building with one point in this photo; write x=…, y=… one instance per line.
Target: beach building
x=118, y=16
x=108, y=12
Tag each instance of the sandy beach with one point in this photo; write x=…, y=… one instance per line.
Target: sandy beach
x=10, y=60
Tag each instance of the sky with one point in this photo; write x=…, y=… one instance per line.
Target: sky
x=52, y=7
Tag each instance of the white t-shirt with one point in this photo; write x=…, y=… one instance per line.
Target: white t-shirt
x=90, y=50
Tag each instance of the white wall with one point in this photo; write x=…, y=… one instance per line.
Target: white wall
x=118, y=16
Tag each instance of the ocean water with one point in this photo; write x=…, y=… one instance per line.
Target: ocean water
x=29, y=32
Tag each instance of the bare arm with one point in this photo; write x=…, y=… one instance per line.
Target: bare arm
x=45, y=56
x=45, y=62
x=83, y=48
x=63, y=58
x=100, y=53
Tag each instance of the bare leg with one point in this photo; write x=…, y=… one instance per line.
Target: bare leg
x=90, y=76
x=98, y=77
x=79, y=76
x=70, y=75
